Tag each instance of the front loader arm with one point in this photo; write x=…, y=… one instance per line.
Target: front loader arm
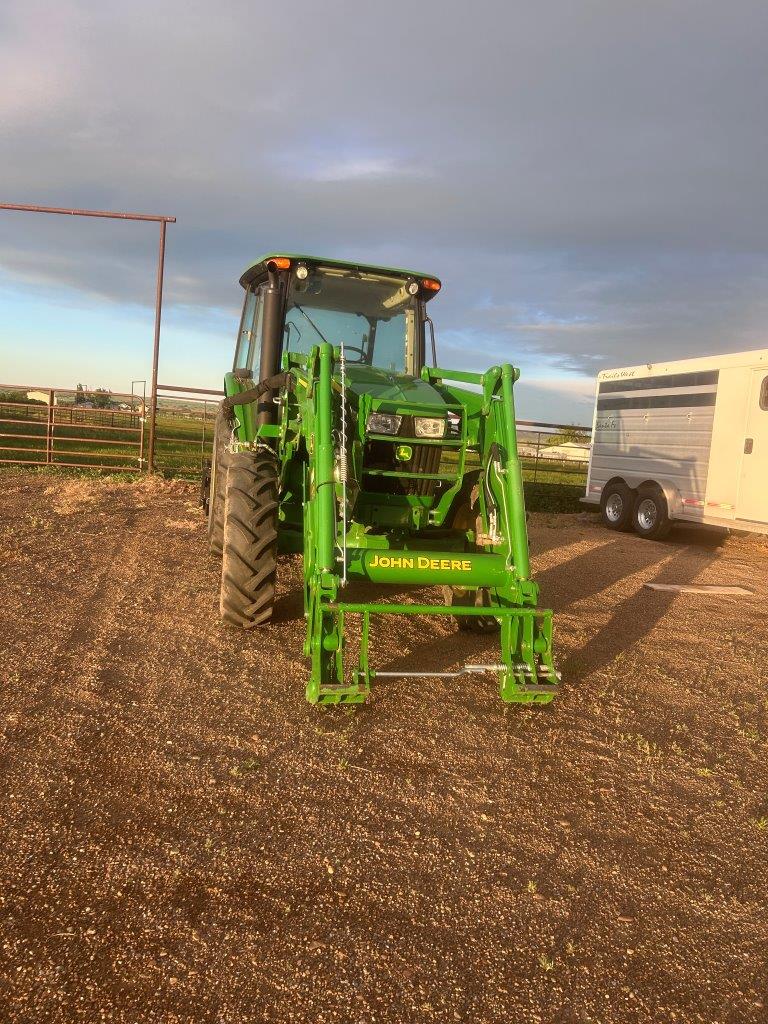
x=526, y=670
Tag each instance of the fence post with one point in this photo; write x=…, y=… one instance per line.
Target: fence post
x=203, y=439
x=49, y=429
x=156, y=348
x=141, y=440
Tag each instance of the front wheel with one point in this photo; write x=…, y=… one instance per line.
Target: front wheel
x=650, y=516
x=249, y=557
x=457, y=597
x=466, y=517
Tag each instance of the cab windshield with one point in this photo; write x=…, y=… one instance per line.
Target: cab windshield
x=372, y=315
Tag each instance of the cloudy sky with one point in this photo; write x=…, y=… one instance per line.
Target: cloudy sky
x=588, y=177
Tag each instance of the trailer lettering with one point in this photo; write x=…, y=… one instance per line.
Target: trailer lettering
x=616, y=374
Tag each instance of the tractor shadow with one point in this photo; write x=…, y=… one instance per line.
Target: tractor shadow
x=680, y=559
x=289, y=603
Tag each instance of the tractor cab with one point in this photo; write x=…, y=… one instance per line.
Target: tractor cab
x=294, y=303
x=376, y=319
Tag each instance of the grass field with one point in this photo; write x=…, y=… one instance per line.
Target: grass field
x=182, y=443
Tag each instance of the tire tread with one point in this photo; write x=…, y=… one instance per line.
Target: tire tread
x=217, y=495
x=249, y=558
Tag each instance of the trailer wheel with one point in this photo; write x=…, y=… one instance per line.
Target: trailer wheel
x=217, y=483
x=650, y=517
x=249, y=559
x=616, y=506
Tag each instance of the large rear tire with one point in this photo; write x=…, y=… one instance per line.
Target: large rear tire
x=217, y=487
x=249, y=558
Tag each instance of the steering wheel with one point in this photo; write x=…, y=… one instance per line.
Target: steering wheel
x=354, y=348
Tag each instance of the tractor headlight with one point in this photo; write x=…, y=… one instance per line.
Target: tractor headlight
x=427, y=426
x=383, y=423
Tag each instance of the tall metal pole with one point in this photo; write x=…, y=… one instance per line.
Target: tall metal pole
x=156, y=348
x=49, y=429
x=117, y=215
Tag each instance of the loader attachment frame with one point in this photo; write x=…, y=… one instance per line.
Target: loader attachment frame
x=493, y=557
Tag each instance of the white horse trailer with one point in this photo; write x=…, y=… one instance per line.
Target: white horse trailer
x=685, y=440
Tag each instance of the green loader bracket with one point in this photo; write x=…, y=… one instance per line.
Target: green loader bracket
x=334, y=554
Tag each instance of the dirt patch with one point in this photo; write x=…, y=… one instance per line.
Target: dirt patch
x=186, y=840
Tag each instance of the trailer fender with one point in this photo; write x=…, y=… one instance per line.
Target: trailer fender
x=671, y=493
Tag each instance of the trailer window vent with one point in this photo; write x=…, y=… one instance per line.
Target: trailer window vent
x=764, y=395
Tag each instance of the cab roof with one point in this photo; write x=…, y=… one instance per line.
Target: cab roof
x=258, y=269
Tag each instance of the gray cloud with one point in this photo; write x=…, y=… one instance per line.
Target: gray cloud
x=587, y=178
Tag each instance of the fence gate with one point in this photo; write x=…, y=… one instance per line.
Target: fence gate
x=43, y=426
x=184, y=429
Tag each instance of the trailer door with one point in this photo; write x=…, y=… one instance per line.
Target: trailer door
x=753, y=489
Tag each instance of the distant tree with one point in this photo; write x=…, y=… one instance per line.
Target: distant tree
x=18, y=397
x=101, y=398
x=79, y=395
x=574, y=435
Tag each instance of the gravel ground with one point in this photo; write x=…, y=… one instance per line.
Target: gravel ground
x=186, y=840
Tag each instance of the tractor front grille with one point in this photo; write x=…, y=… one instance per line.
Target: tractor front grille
x=379, y=456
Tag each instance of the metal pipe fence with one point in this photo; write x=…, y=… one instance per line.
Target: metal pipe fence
x=44, y=426
x=163, y=221
x=554, y=452
x=183, y=436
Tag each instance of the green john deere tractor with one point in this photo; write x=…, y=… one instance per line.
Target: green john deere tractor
x=337, y=440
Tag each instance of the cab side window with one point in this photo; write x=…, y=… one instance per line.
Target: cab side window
x=764, y=395
x=248, y=349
